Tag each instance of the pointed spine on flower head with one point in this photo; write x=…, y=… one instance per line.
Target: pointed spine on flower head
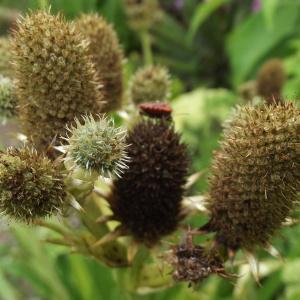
x=107, y=56
x=147, y=198
x=56, y=80
x=149, y=84
x=142, y=14
x=270, y=80
x=255, y=175
x=8, y=100
x=31, y=186
x=6, y=68
x=97, y=145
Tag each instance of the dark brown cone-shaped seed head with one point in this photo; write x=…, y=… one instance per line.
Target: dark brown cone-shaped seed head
x=31, y=186
x=270, y=80
x=107, y=56
x=147, y=199
x=55, y=79
x=255, y=175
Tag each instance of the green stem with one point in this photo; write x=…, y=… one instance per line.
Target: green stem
x=121, y=277
x=146, y=45
x=43, y=4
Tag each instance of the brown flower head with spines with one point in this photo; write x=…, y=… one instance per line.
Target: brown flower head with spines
x=31, y=186
x=255, y=175
x=270, y=80
x=56, y=80
x=147, y=198
x=107, y=55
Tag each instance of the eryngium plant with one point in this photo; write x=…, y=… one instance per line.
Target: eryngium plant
x=55, y=79
x=8, y=101
x=107, y=56
x=97, y=145
x=147, y=199
x=255, y=175
x=31, y=186
x=149, y=84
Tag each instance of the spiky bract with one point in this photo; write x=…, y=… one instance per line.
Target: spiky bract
x=147, y=199
x=142, y=14
x=98, y=145
x=8, y=101
x=255, y=175
x=5, y=57
x=56, y=80
x=150, y=84
x=270, y=80
x=31, y=186
x=107, y=56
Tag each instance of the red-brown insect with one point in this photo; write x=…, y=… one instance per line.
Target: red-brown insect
x=156, y=110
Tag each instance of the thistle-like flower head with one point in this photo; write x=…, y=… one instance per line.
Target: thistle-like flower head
x=107, y=56
x=8, y=101
x=31, y=186
x=255, y=175
x=56, y=80
x=97, y=145
x=147, y=199
x=150, y=84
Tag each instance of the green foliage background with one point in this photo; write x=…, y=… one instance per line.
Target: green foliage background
x=209, y=54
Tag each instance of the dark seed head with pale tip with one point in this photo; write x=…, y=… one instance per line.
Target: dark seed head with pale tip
x=147, y=199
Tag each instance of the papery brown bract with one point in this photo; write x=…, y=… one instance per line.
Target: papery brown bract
x=255, y=175
x=147, y=199
x=107, y=56
x=56, y=80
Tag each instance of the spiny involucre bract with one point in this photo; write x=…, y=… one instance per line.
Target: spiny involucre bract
x=150, y=84
x=97, y=145
x=270, y=80
x=142, y=14
x=31, y=186
x=255, y=175
x=5, y=57
x=147, y=198
x=56, y=80
x=107, y=56
x=8, y=101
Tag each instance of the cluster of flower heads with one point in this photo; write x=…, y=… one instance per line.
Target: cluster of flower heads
x=97, y=145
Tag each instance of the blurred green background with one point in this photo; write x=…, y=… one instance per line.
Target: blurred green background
x=211, y=48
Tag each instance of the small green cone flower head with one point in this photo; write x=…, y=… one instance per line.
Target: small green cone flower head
x=255, y=175
x=147, y=198
x=150, y=84
x=107, y=56
x=6, y=68
x=270, y=80
x=31, y=186
x=8, y=100
x=142, y=14
x=97, y=145
x=56, y=80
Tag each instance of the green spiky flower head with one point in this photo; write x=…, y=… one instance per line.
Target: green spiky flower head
x=150, y=84
x=255, y=175
x=8, y=101
x=97, y=145
x=31, y=186
x=107, y=55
